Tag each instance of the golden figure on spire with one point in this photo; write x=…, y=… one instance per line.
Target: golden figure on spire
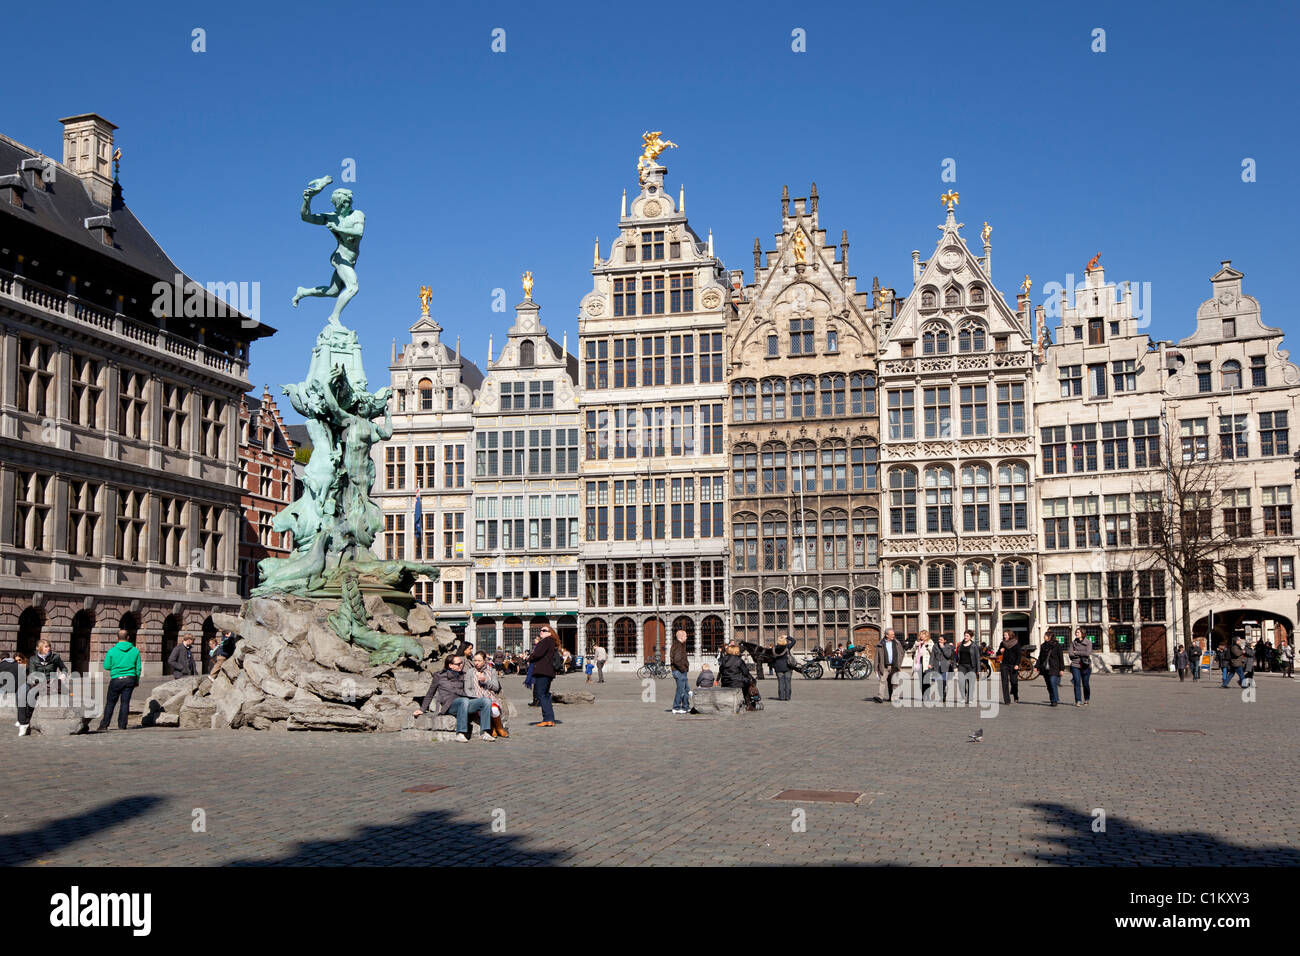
x=1027, y=284
x=800, y=246
x=949, y=199
x=652, y=146
x=986, y=232
x=1094, y=263
x=528, y=286
x=425, y=295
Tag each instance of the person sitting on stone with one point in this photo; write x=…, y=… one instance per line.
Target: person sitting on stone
x=481, y=680
x=706, y=678
x=733, y=672
x=448, y=696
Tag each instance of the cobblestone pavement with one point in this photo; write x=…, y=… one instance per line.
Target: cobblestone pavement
x=624, y=782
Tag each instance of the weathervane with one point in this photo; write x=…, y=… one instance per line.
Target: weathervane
x=949, y=199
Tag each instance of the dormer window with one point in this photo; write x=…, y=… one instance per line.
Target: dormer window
x=951, y=298
x=652, y=245
x=1096, y=332
x=426, y=395
x=1229, y=328
x=527, y=354
x=977, y=295
x=927, y=299
x=1231, y=374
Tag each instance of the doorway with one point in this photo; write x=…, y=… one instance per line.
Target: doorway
x=652, y=640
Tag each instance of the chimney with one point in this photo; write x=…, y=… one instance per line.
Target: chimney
x=88, y=152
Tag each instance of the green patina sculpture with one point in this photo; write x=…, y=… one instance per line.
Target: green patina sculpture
x=334, y=522
x=347, y=224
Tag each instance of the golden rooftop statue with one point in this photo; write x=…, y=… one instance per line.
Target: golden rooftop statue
x=425, y=295
x=1094, y=263
x=528, y=286
x=949, y=199
x=652, y=146
x=986, y=232
x=800, y=247
x=1027, y=284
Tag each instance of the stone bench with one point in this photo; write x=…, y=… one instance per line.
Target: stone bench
x=718, y=700
x=51, y=721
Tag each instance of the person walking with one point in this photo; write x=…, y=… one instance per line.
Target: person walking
x=781, y=667
x=123, y=665
x=181, y=660
x=942, y=657
x=1009, y=668
x=1050, y=664
x=542, y=659
x=1194, y=660
x=889, y=659
x=968, y=665
x=1221, y=660
x=681, y=667
x=601, y=656
x=1261, y=656
x=1235, y=658
x=921, y=667
x=14, y=664
x=1081, y=667
x=1285, y=652
x=1248, y=649
x=1180, y=663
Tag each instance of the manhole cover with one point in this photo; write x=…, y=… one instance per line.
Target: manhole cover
x=1177, y=731
x=821, y=796
x=426, y=788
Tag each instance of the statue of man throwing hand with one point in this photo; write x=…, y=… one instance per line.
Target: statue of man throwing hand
x=346, y=224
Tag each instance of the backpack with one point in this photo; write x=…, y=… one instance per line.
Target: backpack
x=557, y=660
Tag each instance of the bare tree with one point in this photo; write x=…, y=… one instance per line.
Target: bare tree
x=1179, y=532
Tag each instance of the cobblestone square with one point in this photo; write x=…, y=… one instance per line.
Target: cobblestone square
x=624, y=782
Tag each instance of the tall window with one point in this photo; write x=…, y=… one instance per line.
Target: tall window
x=1013, y=497
x=901, y=404
x=744, y=401
x=1276, y=500
x=975, y=482
x=682, y=365
x=902, y=501
x=1236, y=512
x=744, y=542
x=1056, y=524
x=1258, y=372
x=937, y=406
x=804, y=554
x=1124, y=375
x=87, y=390
x=773, y=392
x=835, y=540
x=941, y=598
x=681, y=289
x=131, y=542
x=803, y=397
x=34, y=500
x=904, y=601
x=213, y=426
x=1054, y=457
x=801, y=337
x=834, y=476
x=805, y=618
x=1195, y=439
x=971, y=337
x=862, y=393
x=1083, y=444
x=803, y=468
x=711, y=358
x=1274, y=436
x=1114, y=446
x=653, y=364
x=175, y=417
x=745, y=609
x=652, y=245
x=1146, y=442
x=1231, y=374
x=835, y=615
x=36, y=367
x=866, y=538
x=1011, y=408
x=864, y=456
x=974, y=410
x=775, y=530
x=938, y=500
x=84, y=510
x=1232, y=436
x=935, y=340
x=1071, y=380
x=833, y=395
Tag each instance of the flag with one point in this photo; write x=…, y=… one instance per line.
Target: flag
x=419, y=528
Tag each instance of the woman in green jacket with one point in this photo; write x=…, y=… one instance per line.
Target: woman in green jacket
x=123, y=665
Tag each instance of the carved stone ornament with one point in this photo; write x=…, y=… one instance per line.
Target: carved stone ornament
x=711, y=299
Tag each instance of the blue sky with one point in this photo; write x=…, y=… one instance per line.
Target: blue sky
x=473, y=166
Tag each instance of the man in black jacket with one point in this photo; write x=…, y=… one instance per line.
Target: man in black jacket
x=181, y=660
x=542, y=657
x=733, y=672
x=889, y=659
x=1051, y=661
x=1236, y=663
x=1010, y=650
x=781, y=666
x=447, y=694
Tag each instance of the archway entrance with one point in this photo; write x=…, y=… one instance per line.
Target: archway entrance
x=653, y=640
x=30, y=623
x=1017, y=624
x=83, y=625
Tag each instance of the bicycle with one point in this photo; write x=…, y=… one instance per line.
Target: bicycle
x=657, y=668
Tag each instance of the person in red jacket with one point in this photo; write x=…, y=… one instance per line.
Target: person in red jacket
x=544, y=672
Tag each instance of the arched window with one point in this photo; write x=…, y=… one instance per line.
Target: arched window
x=928, y=300
x=597, y=634
x=902, y=501
x=835, y=540
x=935, y=340
x=624, y=635
x=904, y=601
x=743, y=401
x=835, y=615
x=713, y=633
x=977, y=295
x=805, y=618
x=803, y=397
x=745, y=608
x=803, y=467
x=862, y=393
x=803, y=557
x=426, y=395
x=744, y=541
x=775, y=528
x=951, y=297
x=938, y=500
x=971, y=338
x=744, y=470
x=941, y=598
x=1015, y=585
x=527, y=354
x=864, y=457
x=866, y=604
x=686, y=624
x=833, y=396
x=1013, y=497
x=773, y=399
x=1231, y=374
x=774, y=470
x=776, y=614
x=975, y=482
x=866, y=537
x=834, y=466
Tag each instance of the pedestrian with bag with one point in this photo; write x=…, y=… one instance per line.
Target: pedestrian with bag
x=123, y=665
x=1051, y=662
x=782, y=667
x=1180, y=663
x=1009, y=668
x=943, y=657
x=546, y=660
x=968, y=665
x=889, y=659
x=1081, y=667
x=601, y=656
x=921, y=654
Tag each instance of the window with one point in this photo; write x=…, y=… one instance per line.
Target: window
x=1087, y=525
x=862, y=393
x=652, y=245
x=1071, y=380
x=1277, y=510
x=975, y=482
x=803, y=468
x=1195, y=439
x=453, y=468
x=683, y=359
x=87, y=391
x=512, y=393
x=803, y=397
x=863, y=460
x=970, y=337
x=624, y=363
x=1117, y=522
x=941, y=598
x=745, y=608
x=1011, y=408
x=1097, y=381
x=711, y=430
x=938, y=500
x=1124, y=375
x=1053, y=441
x=1146, y=442
x=625, y=296
x=37, y=363
x=773, y=390
x=1274, y=438
x=84, y=510
x=928, y=299
x=1015, y=585
x=1279, y=574
x=1083, y=445
x=1197, y=516
x=1151, y=595
x=1232, y=436
x=1239, y=574
x=902, y=501
x=175, y=417
x=1229, y=328
x=976, y=295
x=937, y=409
x=1258, y=375
x=744, y=470
x=1236, y=512
x=801, y=337
x=1114, y=446
x=833, y=395
x=744, y=401
x=133, y=405
x=1147, y=506
x=527, y=354
x=805, y=618
x=171, y=532
x=1230, y=374
x=866, y=538
x=395, y=468
x=652, y=360
x=774, y=470
x=1087, y=598
x=773, y=346
x=951, y=297
x=974, y=410
x=776, y=613
x=1096, y=332
x=681, y=292
x=1203, y=382
x=1013, y=497
x=902, y=414
x=775, y=540
x=1056, y=524
x=904, y=601
x=1056, y=594
x=711, y=357
x=34, y=499
x=832, y=341
x=833, y=457
x=453, y=534
x=935, y=341
x=596, y=367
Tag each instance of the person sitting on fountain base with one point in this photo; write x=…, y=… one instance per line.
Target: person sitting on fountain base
x=447, y=693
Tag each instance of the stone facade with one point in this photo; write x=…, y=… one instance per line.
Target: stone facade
x=803, y=431
x=119, y=495
x=525, y=535
x=266, y=481
x=654, y=468
x=430, y=456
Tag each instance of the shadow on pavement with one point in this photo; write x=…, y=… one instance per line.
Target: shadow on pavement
x=430, y=838
x=19, y=848
x=1127, y=844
